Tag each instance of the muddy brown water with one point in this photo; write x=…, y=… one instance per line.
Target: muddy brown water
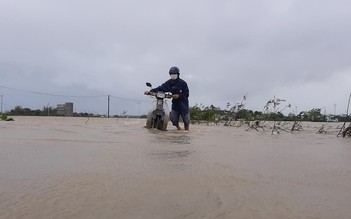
x=114, y=168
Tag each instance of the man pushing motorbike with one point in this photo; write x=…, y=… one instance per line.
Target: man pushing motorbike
x=180, y=94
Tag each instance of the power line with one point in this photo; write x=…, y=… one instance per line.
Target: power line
x=75, y=96
x=129, y=99
x=49, y=94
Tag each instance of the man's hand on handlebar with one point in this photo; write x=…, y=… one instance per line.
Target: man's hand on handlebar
x=175, y=96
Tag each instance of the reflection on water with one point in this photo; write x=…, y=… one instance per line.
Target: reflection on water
x=172, y=154
x=177, y=139
x=173, y=137
x=173, y=147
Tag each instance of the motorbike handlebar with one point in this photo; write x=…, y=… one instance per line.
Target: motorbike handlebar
x=155, y=94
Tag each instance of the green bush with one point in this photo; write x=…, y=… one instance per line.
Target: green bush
x=4, y=117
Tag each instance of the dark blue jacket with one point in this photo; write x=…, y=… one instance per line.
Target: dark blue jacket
x=180, y=87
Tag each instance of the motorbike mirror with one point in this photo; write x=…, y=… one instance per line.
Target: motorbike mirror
x=148, y=84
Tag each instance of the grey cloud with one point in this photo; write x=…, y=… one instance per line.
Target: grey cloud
x=224, y=49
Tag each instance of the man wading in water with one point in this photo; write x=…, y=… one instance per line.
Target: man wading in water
x=180, y=94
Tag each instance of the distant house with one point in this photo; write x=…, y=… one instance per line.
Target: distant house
x=291, y=115
x=331, y=118
x=65, y=109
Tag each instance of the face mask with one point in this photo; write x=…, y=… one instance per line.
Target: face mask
x=174, y=76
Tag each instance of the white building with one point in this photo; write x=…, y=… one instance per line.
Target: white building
x=65, y=109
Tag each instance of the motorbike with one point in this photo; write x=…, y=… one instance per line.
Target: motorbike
x=158, y=116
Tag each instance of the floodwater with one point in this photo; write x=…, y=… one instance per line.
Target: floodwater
x=114, y=168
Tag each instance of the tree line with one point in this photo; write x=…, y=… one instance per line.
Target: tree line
x=202, y=113
x=215, y=114
x=45, y=111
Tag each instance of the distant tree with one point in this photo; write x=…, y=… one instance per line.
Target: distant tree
x=195, y=113
x=201, y=113
x=315, y=115
x=18, y=110
x=245, y=114
x=36, y=112
x=257, y=114
x=27, y=112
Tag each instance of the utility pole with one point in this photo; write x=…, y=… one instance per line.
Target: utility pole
x=139, y=107
x=2, y=96
x=108, y=106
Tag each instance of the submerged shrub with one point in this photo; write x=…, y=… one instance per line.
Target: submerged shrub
x=4, y=117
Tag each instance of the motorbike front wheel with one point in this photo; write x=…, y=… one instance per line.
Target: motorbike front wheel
x=158, y=124
x=346, y=132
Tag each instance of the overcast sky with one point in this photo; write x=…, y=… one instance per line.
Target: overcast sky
x=297, y=50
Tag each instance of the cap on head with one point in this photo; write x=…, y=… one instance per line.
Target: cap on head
x=174, y=70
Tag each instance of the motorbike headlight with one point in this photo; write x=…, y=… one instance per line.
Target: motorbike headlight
x=160, y=95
